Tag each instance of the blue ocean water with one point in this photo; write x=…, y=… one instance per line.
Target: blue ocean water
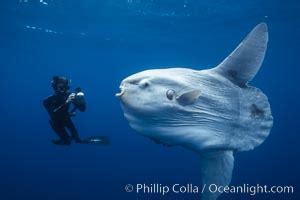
x=97, y=44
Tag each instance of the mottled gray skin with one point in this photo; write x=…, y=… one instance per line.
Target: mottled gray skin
x=222, y=117
x=212, y=112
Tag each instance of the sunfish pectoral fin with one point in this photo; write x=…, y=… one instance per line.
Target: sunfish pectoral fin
x=244, y=62
x=216, y=168
x=188, y=98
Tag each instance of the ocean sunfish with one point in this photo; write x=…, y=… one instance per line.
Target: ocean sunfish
x=213, y=112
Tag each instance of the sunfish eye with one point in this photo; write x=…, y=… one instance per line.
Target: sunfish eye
x=170, y=94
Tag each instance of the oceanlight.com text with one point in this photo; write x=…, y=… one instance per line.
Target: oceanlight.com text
x=156, y=188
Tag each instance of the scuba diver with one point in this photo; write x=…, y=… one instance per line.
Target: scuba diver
x=58, y=107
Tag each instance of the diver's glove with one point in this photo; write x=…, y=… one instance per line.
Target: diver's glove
x=71, y=97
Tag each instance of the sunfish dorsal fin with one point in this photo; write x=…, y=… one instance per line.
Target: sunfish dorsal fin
x=243, y=63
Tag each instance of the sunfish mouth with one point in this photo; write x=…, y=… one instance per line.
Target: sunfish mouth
x=121, y=92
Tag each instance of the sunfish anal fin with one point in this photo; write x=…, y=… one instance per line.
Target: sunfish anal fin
x=216, y=168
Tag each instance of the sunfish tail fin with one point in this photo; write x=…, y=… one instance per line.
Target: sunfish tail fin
x=255, y=119
x=216, y=169
x=244, y=62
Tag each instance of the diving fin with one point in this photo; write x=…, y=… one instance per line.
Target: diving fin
x=96, y=140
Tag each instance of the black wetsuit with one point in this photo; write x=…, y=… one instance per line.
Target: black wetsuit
x=60, y=117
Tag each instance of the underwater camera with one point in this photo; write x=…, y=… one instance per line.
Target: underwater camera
x=79, y=95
